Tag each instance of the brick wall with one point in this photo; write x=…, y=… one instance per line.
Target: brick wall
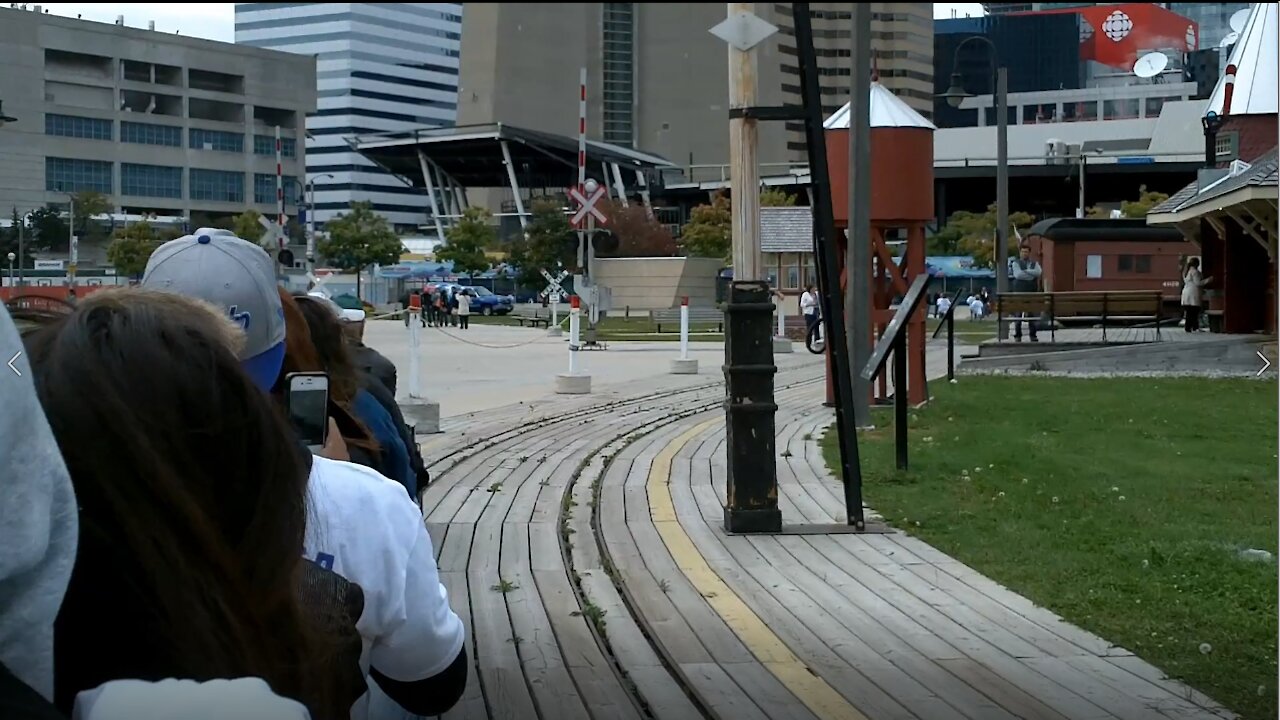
x=1257, y=134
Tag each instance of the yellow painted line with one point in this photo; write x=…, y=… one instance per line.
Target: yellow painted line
x=767, y=647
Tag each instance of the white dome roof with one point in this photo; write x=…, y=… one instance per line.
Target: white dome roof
x=887, y=110
x=1255, y=56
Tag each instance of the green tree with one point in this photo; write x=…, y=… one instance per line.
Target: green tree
x=1147, y=200
x=709, y=231
x=968, y=233
x=773, y=197
x=47, y=230
x=131, y=247
x=466, y=241
x=549, y=243
x=358, y=239
x=246, y=226
x=89, y=203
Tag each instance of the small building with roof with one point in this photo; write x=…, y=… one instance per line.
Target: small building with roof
x=1230, y=212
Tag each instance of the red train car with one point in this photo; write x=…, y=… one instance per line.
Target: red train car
x=1110, y=254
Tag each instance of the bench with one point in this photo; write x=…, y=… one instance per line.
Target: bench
x=1101, y=306
x=702, y=316
x=532, y=320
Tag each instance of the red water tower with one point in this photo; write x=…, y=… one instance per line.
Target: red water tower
x=901, y=206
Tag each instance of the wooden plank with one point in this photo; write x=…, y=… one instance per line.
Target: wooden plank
x=975, y=647
x=471, y=705
x=500, y=672
x=723, y=697
x=1137, y=690
x=1142, y=669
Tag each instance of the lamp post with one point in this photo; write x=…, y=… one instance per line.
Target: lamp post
x=1000, y=88
x=12, y=257
x=311, y=220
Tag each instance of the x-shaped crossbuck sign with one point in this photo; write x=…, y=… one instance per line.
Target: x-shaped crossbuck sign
x=587, y=204
x=553, y=283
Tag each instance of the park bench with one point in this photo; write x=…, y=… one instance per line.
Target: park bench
x=698, y=316
x=535, y=320
x=1104, y=307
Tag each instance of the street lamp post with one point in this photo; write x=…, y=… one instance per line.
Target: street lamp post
x=1000, y=88
x=12, y=257
x=311, y=221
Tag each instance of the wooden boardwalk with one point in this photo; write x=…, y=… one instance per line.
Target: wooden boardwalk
x=581, y=543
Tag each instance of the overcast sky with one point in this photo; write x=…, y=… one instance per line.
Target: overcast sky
x=216, y=21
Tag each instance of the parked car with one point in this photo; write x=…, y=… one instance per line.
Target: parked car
x=484, y=301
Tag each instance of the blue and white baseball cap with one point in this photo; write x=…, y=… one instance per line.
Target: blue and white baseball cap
x=218, y=267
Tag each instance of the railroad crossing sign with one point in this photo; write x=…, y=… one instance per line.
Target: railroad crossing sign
x=587, y=205
x=553, y=290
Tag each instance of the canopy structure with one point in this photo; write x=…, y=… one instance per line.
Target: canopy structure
x=445, y=162
x=886, y=110
x=1255, y=56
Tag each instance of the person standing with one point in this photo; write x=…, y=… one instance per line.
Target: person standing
x=464, y=309
x=1026, y=278
x=809, y=308
x=1193, y=283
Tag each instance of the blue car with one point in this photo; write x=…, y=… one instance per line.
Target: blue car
x=484, y=301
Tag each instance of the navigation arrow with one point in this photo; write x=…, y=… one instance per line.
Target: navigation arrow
x=1265, y=366
x=13, y=360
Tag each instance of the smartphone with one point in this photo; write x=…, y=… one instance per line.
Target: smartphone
x=308, y=401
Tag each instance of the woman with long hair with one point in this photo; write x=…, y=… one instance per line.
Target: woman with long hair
x=330, y=343
x=191, y=499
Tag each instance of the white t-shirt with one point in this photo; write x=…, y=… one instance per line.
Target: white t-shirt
x=808, y=303
x=188, y=699
x=944, y=304
x=364, y=527
x=464, y=304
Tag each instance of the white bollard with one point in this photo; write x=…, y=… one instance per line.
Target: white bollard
x=684, y=365
x=782, y=343
x=553, y=330
x=573, y=382
x=415, y=381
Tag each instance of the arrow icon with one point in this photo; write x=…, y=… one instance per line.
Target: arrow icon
x=13, y=360
x=1265, y=366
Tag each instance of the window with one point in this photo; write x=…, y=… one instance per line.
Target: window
x=148, y=134
x=217, y=140
x=150, y=181
x=1093, y=266
x=264, y=187
x=1125, y=264
x=1142, y=264
x=790, y=276
x=217, y=185
x=266, y=145
x=74, y=175
x=619, y=90
x=77, y=127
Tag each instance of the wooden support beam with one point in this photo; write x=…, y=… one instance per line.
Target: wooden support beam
x=1251, y=227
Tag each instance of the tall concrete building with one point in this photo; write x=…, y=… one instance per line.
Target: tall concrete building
x=379, y=67
x=160, y=123
x=658, y=80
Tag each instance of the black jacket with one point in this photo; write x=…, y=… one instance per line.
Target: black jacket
x=376, y=364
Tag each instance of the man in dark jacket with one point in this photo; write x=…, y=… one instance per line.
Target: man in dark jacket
x=1026, y=274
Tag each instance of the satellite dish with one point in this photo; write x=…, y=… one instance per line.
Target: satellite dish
x=1238, y=19
x=1150, y=65
x=1229, y=40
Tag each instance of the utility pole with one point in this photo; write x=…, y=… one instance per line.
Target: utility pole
x=857, y=298
x=751, y=487
x=72, y=243
x=1002, y=190
x=744, y=173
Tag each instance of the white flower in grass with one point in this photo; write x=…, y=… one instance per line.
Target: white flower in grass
x=1115, y=489
x=1205, y=648
x=1055, y=498
x=1000, y=494
x=1121, y=498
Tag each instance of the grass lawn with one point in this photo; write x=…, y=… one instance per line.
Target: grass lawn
x=1121, y=504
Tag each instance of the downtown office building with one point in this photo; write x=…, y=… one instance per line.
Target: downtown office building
x=380, y=67
x=161, y=124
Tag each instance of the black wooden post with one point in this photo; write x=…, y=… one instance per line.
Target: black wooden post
x=900, y=398
x=951, y=342
x=752, y=486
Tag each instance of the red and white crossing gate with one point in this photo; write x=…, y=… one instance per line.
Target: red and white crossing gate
x=587, y=206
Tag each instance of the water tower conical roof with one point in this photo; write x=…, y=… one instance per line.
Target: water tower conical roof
x=887, y=110
x=1255, y=55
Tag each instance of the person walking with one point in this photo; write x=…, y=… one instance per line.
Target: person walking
x=809, y=308
x=1193, y=283
x=464, y=309
x=1026, y=278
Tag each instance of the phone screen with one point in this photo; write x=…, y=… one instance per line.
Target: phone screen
x=308, y=409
